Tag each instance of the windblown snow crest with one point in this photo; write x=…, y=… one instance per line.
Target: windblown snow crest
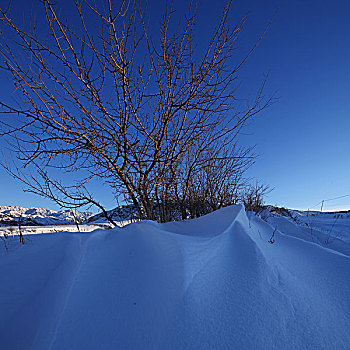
x=209, y=283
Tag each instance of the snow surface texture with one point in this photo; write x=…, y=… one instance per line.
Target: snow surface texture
x=209, y=283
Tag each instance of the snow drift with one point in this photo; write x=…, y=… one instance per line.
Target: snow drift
x=209, y=283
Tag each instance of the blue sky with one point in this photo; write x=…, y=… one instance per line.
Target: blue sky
x=303, y=139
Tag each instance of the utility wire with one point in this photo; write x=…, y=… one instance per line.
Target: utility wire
x=316, y=205
x=330, y=199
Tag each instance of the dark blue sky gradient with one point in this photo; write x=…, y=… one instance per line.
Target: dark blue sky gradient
x=303, y=139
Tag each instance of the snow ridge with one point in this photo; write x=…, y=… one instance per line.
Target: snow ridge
x=210, y=283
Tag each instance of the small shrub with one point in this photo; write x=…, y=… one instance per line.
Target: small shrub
x=253, y=197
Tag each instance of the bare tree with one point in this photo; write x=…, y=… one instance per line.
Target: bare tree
x=155, y=120
x=21, y=238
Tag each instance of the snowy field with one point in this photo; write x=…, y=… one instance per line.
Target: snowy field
x=13, y=231
x=334, y=225
x=217, y=282
x=30, y=230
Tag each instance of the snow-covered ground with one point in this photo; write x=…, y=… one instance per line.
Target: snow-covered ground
x=30, y=230
x=330, y=230
x=335, y=225
x=210, y=283
x=13, y=231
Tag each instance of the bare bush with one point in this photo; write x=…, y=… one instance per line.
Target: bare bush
x=155, y=120
x=253, y=197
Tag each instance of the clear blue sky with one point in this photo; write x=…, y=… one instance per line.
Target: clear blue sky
x=303, y=140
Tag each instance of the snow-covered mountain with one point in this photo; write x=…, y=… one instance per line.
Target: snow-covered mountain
x=119, y=214
x=10, y=215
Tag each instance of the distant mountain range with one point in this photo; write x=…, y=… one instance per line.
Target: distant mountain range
x=11, y=215
x=121, y=213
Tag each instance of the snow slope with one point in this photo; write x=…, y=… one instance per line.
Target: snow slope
x=330, y=230
x=209, y=283
x=335, y=225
